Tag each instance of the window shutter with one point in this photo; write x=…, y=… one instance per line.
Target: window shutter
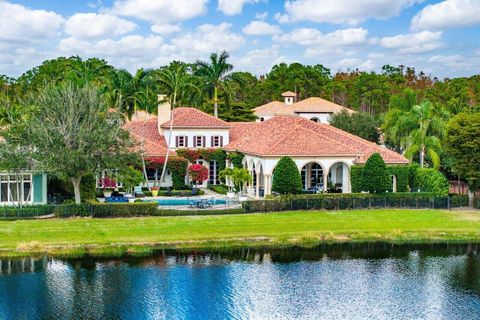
x=186, y=141
x=176, y=141
x=212, y=139
x=221, y=141
x=203, y=141
x=194, y=141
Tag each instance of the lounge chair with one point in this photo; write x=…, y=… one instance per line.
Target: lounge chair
x=137, y=192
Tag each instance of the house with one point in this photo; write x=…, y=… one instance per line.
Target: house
x=323, y=153
x=24, y=187
x=314, y=108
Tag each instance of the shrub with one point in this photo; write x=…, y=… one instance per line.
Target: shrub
x=375, y=177
x=356, y=178
x=26, y=211
x=104, y=210
x=219, y=188
x=402, y=173
x=178, y=168
x=431, y=180
x=286, y=177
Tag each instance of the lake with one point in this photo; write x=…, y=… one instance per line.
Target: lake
x=343, y=281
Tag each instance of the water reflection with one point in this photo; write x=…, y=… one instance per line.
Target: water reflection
x=375, y=281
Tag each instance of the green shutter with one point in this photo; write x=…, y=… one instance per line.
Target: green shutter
x=38, y=188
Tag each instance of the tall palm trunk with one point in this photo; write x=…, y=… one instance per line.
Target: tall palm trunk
x=164, y=169
x=215, y=101
x=422, y=155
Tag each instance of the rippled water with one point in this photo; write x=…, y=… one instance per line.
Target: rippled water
x=373, y=281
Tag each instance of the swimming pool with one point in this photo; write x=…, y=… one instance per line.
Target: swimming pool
x=184, y=202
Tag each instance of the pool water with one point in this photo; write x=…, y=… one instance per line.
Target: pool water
x=184, y=202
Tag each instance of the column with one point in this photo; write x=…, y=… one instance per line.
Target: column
x=257, y=187
x=325, y=181
x=308, y=176
x=268, y=184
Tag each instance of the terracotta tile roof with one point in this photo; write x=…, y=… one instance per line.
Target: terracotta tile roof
x=289, y=94
x=313, y=104
x=193, y=118
x=317, y=105
x=146, y=132
x=296, y=136
x=272, y=108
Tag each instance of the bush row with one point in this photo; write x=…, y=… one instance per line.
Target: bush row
x=106, y=210
x=26, y=211
x=219, y=188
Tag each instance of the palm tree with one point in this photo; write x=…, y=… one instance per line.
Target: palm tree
x=90, y=70
x=214, y=74
x=177, y=82
x=420, y=131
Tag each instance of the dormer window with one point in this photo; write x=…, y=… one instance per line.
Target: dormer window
x=182, y=142
x=217, y=141
x=199, y=141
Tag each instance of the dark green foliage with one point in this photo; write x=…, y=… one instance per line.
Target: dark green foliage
x=402, y=173
x=178, y=167
x=356, y=178
x=219, y=188
x=431, y=180
x=286, y=177
x=106, y=210
x=375, y=176
x=360, y=124
x=236, y=159
x=25, y=211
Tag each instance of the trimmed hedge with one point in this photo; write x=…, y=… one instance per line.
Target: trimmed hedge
x=356, y=178
x=26, y=211
x=402, y=173
x=286, y=177
x=375, y=176
x=218, y=188
x=106, y=210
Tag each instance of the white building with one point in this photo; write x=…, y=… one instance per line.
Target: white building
x=314, y=108
x=323, y=153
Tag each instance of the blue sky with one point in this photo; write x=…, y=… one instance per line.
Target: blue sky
x=440, y=37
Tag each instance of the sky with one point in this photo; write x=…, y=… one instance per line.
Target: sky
x=440, y=37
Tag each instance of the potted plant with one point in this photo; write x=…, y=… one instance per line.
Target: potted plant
x=239, y=177
x=108, y=184
x=130, y=177
x=154, y=191
x=198, y=173
x=226, y=175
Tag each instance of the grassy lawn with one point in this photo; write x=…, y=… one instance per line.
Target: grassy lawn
x=30, y=236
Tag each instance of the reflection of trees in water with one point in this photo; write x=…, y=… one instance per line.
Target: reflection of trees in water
x=466, y=275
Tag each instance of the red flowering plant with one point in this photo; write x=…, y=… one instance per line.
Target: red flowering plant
x=198, y=173
x=108, y=183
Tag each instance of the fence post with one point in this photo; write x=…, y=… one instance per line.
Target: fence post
x=448, y=203
x=417, y=203
x=369, y=203
x=385, y=202
x=353, y=207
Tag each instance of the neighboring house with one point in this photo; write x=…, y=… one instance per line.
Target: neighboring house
x=323, y=154
x=314, y=108
x=22, y=188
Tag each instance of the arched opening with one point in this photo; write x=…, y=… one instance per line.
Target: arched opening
x=312, y=177
x=394, y=183
x=315, y=119
x=338, y=178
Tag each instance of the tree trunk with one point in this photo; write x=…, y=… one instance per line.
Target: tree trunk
x=215, y=102
x=76, y=189
x=422, y=155
x=164, y=169
x=471, y=197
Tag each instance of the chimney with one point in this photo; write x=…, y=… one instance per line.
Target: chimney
x=290, y=97
x=164, y=111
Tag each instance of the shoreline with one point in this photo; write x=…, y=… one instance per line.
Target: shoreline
x=75, y=237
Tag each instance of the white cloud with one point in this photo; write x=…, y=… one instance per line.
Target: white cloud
x=166, y=29
x=339, y=38
x=160, y=11
x=414, y=43
x=93, y=25
x=209, y=38
x=21, y=24
x=233, y=7
x=354, y=63
x=261, y=15
x=448, y=14
x=342, y=11
x=260, y=28
x=259, y=61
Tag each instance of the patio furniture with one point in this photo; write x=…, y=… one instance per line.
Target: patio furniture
x=116, y=199
x=137, y=191
x=192, y=203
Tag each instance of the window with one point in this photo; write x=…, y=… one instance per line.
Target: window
x=14, y=188
x=151, y=174
x=212, y=173
x=315, y=119
x=181, y=142
x=198, y=141
x=217, y=141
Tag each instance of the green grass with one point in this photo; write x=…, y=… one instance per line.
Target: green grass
x=139, y=235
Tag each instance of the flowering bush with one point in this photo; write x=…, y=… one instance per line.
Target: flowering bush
x=108, y=183
x=198, y=173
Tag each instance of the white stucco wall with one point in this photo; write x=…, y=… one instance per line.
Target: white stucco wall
x=264, y=118
x=323, y=117
x=190, y=133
